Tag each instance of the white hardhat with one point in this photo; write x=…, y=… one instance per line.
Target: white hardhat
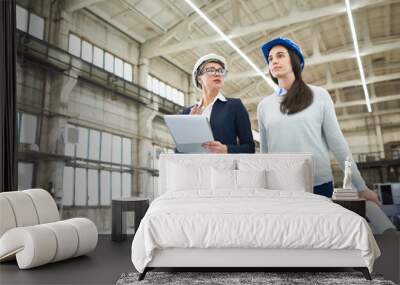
x=204, y=59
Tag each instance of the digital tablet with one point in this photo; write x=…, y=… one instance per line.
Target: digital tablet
x=189, y=132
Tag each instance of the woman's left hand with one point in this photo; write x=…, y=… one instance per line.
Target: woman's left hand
x=215, y=147
x=370, y=195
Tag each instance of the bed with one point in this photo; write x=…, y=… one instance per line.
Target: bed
x=247, y=211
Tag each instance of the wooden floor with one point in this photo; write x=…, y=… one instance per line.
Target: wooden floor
x=103, y=266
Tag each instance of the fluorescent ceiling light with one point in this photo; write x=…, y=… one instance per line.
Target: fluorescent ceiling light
x=232, y=44
x=360, y=67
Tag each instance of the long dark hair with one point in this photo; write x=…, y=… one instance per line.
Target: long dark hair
x=299, y=96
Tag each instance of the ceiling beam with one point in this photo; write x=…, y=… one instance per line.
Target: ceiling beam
x=178, y=11
x=282, y=32
x=357, y=82
x=103, y=15
x=236, y=17
x=331, y=86
x=329, y=57
x=74, y=5
x=142, y=18
x=254, y=121
x=294, y=17
x=246, y=10
x=370, y=127
x=156, y=43
x=366, y=114
x=245, y=90
x=373, y=101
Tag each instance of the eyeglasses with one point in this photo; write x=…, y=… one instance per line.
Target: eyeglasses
x=211, y=71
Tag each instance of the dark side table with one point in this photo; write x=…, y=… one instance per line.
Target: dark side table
x=357, y=206
x=138, y=205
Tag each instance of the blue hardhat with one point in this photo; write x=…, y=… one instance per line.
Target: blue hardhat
x=286, y=43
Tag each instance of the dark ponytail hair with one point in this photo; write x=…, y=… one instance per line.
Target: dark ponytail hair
x=299, y=96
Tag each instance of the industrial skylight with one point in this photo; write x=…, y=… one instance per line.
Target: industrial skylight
x=232, y=44
x=358, y=57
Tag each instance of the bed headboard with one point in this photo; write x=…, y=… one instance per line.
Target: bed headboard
x=289, y=169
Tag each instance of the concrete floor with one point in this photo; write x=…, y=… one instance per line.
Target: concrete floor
x=102, y=266
x=110, y=259
x=388, y=264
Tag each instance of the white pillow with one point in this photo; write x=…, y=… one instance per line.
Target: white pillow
x=251, y=178
x=293, y=180
x=223, y=179
x=185, y=177
x=194, y=174
x=282, y=174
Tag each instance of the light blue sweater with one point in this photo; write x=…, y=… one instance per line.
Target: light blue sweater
x=315, y=130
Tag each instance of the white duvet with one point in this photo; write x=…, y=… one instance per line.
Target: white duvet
x=250, y=219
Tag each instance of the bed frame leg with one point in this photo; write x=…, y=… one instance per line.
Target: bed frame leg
x=143, y=274
x=364, y=271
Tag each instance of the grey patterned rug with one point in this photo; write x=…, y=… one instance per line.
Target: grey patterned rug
x=229, y=278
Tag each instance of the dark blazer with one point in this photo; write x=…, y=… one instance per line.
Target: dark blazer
x=230, y=125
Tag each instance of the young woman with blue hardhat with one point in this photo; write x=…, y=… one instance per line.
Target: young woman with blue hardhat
x=301, y=118
x=229, y=119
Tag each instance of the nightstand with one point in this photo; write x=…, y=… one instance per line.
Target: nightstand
x=137, y=204
x=357, y=205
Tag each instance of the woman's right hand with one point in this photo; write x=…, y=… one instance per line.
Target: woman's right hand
x=196, y=110
x=215, y=147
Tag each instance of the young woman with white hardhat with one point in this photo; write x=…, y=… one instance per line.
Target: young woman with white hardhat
x=228, y=117
x=301, y=118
